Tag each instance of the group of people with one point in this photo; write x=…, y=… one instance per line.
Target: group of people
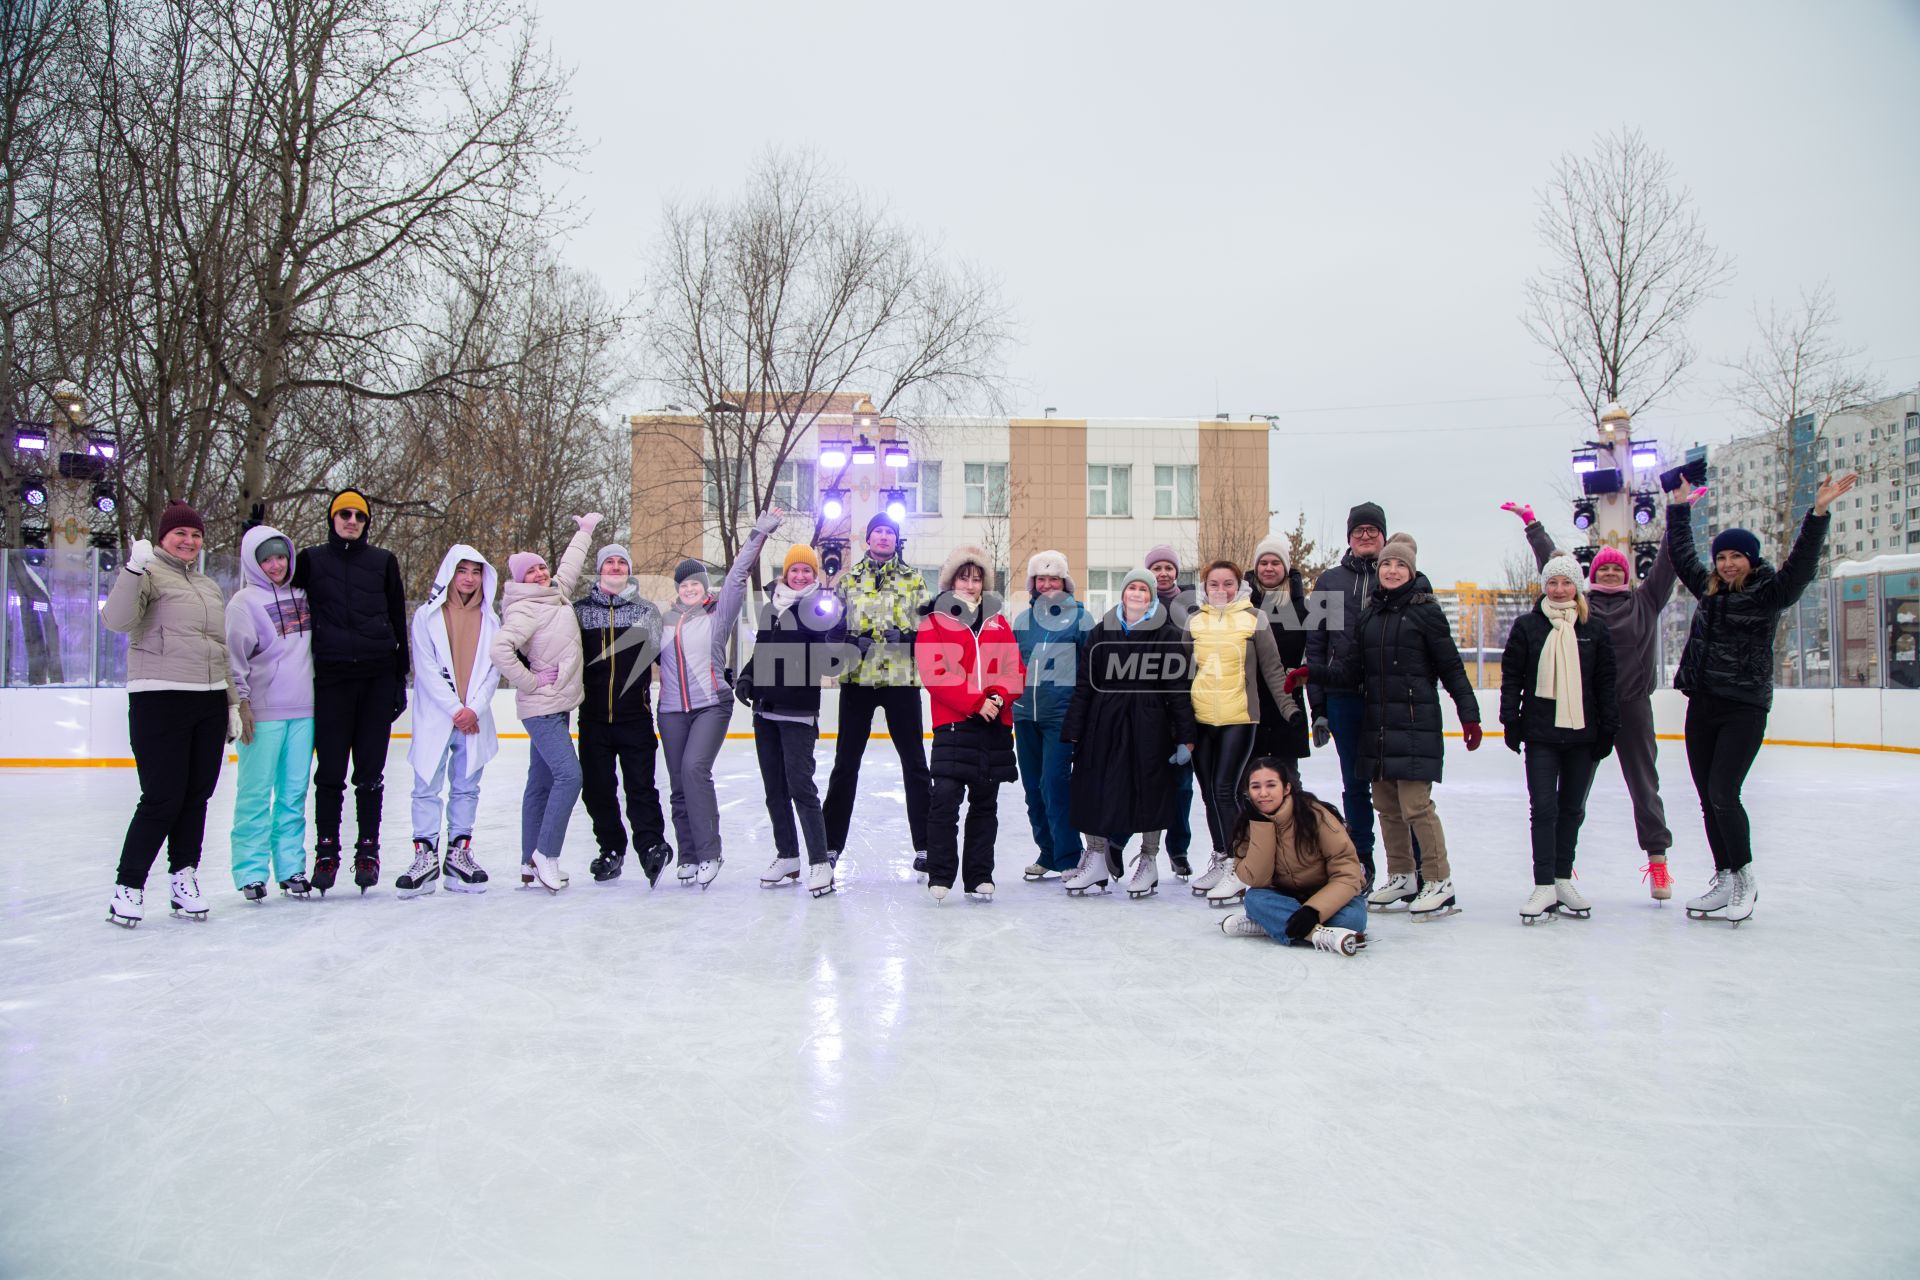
x=1111, y=723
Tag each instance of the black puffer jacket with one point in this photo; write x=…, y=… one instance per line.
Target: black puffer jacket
x=1528, y=717
x=1729, y=651
x=1132, y=707
x=972, y=750
x=1287, y=610
x=358, y=603
x=1403, y=649
x=619, y=644
x=795, y=649
x=1329, y=647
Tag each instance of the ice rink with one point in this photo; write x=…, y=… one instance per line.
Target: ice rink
x=746, y=1082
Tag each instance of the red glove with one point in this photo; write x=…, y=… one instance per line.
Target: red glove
x=1295, y=678
x=1471, y=732
x=1521, y=509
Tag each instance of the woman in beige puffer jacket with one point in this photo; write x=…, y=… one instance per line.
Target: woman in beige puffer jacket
x=181, y=708
x=537, y=651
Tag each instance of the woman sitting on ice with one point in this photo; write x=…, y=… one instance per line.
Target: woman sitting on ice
x=1293, y=853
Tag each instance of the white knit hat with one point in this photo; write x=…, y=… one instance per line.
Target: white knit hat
x=1274, y=544
x=1051, y=564
x=1563, y=566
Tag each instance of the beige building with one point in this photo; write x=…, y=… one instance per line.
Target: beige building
x=1099, y=490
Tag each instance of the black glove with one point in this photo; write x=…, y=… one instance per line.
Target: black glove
x=1301, y=923
x=863, y=643
x=399, y=701
x=1602, y=748
x=894, y=635
x=1513, y=741
x=743, y=690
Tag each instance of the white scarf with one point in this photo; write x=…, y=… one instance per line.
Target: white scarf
x=1560, y=666
x=785, y=597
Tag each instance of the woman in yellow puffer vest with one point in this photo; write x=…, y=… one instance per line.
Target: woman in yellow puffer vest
x=1233, y=651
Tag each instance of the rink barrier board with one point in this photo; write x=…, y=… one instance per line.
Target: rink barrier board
x=83, y=728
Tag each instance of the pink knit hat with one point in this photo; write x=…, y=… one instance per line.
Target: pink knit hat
x=1609, y=555
x=521, y=563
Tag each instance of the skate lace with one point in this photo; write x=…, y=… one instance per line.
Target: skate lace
x=459, y=858
x=1739, y=886
x=1661, y=877
x=186, y=883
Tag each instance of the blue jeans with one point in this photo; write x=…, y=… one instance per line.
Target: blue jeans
x=1270, y=909
x=553, y=784
x=1346, y=717
x=1180, y=831
x=1046, y=763
x=463, y=794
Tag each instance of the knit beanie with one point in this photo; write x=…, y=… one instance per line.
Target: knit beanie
x=1366, y=513
x=271, y=547
x=1562, y=566
x=1610, y=555
x=689, y=569
x=607, y=553
x=178, y=515
x=800, y=553
x=1051, y=564
x=1740, y=540
x=348, y=500
x=1273, y=544
x=961, y=556
x=1140, y=576
x=1401, y=547
x=882, y=520
x=522, y=563
x=1162, y=552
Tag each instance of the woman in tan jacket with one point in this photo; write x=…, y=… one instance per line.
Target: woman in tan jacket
x=1292, y=851
x=537, y=651
x=181, y=709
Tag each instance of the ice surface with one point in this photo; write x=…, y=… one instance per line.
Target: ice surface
x=748, y=1082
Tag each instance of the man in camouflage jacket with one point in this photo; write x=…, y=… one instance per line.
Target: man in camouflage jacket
x=883, y=597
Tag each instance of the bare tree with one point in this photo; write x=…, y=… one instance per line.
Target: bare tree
x=1233, y=517
x=769, y=308
x=1796, y=370
x=1305, y=559
x=1630, y=264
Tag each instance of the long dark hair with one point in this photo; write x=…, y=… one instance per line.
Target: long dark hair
x=1301, y=827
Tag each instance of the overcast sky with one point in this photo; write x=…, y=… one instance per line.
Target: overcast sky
x=1293, y=208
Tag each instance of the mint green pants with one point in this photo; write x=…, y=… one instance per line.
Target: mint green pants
x=270, y=807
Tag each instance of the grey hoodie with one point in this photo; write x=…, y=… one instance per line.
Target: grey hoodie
x=693, y=652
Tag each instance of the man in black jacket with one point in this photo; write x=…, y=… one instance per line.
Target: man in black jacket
x=1338, y=708
x=620, y=643
x=359, y=608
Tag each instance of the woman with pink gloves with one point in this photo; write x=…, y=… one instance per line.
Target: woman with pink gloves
x=537, y=651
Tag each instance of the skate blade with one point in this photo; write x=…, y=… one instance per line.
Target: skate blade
x=201, y=916
x=1084, y=890
x=125, y=922
x=1236, y=900
x=1439, y=913
x=1404, y=904
x=791, y=878
x=821, y=893
x=1143, y=893
x=461, y=886
x=418, y=891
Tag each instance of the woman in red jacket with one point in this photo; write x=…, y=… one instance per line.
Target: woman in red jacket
x=970, y=663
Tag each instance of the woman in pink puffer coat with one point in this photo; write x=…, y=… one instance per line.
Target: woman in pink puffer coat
x=537, y=651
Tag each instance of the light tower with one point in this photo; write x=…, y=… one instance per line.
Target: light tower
x=1616, y=506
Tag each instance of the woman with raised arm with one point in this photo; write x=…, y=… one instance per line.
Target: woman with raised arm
x=1726, y=671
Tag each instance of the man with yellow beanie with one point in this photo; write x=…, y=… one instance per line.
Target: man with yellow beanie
x=359, y=609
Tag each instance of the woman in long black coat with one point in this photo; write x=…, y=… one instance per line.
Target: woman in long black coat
x=1131, y=721
x=1276, y=592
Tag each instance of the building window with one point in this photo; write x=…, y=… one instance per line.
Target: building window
x=1176, y=492
x=741, y=498
x=921, y=483
x=986, y=488
x=793, y=486
x=1109, y=491
x=1103, y=588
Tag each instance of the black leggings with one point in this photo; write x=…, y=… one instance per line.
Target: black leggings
x=1220, y=757
x=1723, y=738
x=179, y=739
x=1558, y=779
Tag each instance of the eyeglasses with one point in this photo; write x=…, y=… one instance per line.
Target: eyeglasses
x=1365, y=531
x=350, y=514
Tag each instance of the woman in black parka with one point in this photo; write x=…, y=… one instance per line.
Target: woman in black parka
x=1131, y=721
x=1403, y=650
x=1275, y=590
x=1726, y=671
x=1558, y=701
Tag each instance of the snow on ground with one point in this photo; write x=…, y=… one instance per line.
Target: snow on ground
x=744, y=1082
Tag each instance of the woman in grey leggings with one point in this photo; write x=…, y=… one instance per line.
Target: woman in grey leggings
x=696, y=701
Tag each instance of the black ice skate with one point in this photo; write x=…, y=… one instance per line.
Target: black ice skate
x=608, y=866
x=296, y=885
x=653, y=861
x=423, y=876
x=462, y=873
x=326, y=863
x=366, y=863
x=253, y=892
